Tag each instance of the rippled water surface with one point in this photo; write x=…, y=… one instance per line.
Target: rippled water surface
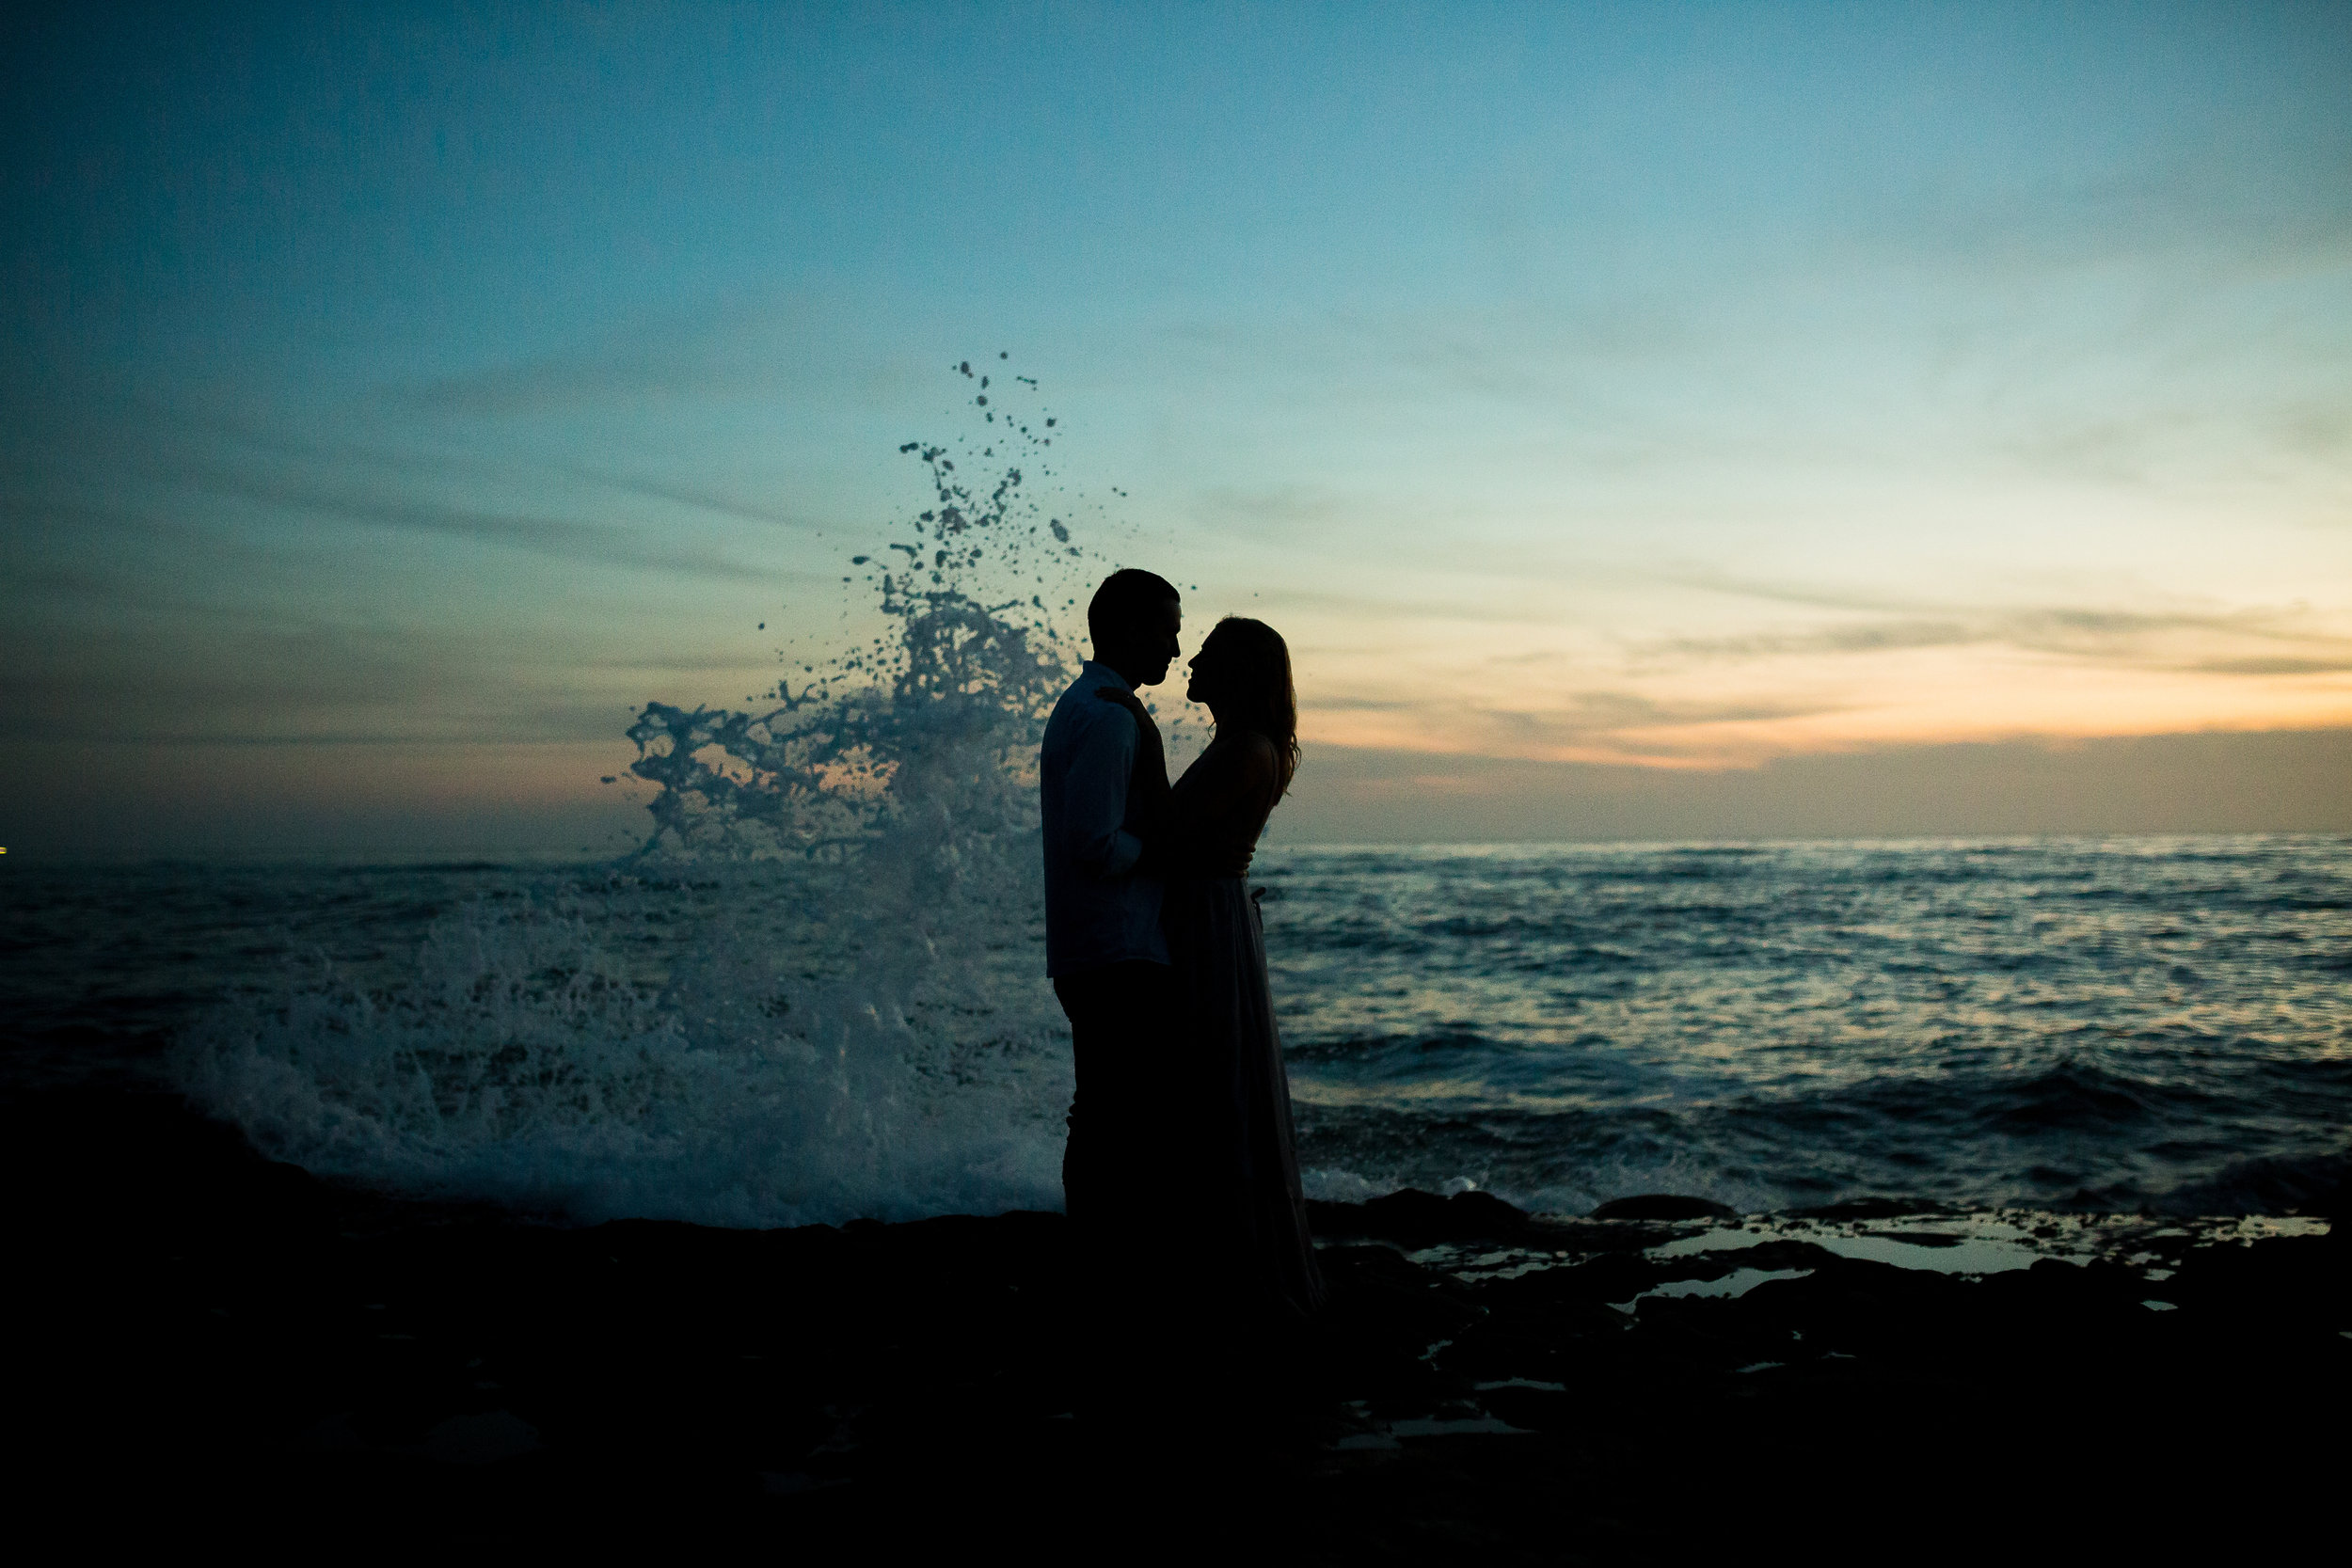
x=2090, y=1023
x=2097, y=1023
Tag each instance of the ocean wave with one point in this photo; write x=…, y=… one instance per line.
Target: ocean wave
x=815, y=994
x=526, y=1057
x=2306, y=1184
x=2081, y=1096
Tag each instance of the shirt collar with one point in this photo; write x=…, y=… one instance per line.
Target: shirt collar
x=1091, y=671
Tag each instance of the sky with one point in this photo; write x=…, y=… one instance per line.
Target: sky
x=1676, y=420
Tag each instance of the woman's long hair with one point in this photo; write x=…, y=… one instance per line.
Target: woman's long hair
x=1255, y=666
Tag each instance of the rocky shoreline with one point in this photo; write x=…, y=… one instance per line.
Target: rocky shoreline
x=221, y=1347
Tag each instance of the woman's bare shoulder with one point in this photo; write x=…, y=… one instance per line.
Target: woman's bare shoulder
x=1254, y=758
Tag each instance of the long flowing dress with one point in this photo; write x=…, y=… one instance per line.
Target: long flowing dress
x=1254, y=1215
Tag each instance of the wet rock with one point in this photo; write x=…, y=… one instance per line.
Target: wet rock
x=2300, y=1280
x=1867, y=1209
x=486, y=1437
x=1417, y=1219
x=1855, y=1304
x=1616, y=1277
x=2053, y=1291
x=1663, y=1206
x=1343, y=1265
x=1373, y=1309
x=1533, y=1409
x=245, y=1349
x=1488, y=1350
x=1712, y=1333
x=1781, y=1254
x=1555, y=1316
x=1590, y=1236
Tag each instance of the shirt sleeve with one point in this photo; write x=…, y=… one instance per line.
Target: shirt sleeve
x=1095, y=798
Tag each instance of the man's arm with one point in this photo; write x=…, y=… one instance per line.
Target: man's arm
x=1095, y=798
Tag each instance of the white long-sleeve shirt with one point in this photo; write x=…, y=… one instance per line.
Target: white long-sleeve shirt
x=1096, y=910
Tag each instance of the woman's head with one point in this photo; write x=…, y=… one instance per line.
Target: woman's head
x=1243, y=671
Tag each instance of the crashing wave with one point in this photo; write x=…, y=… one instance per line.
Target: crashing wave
x=814, y=993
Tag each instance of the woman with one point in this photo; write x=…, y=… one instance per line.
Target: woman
x=1200, y=838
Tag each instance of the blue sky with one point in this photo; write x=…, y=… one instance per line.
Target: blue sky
x=397, y=396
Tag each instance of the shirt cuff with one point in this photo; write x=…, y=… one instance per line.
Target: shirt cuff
x=1126, y=849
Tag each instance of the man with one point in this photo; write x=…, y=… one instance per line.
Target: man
x=1104, y=950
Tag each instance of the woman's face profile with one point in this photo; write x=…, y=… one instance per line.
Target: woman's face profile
x=1206, y=685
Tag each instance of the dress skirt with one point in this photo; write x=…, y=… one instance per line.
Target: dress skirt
x=1253, y=1213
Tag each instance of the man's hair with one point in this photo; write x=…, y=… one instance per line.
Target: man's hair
x=1129, y=598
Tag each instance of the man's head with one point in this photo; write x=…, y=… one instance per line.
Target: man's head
x=1135, y=617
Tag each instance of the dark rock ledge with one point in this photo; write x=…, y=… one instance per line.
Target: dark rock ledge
x=213, y=1347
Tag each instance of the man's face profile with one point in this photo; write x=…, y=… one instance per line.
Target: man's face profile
x=1135, y=618
x=1157, y=645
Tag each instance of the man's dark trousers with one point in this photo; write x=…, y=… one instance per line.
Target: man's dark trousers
x=1119, y=1171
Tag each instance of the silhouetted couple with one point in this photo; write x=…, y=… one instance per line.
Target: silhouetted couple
x=1180, y=1175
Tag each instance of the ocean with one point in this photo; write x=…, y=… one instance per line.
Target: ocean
x=2103, y=1024
x=2109, y=1025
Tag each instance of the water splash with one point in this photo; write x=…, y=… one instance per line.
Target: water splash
x=814, y=993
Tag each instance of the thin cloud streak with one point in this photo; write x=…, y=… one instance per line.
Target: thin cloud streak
x=760, y=344
x=686, y=495
x=2271, y=667
x=174, y=448
x=560, y=538
x=2105, y=635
